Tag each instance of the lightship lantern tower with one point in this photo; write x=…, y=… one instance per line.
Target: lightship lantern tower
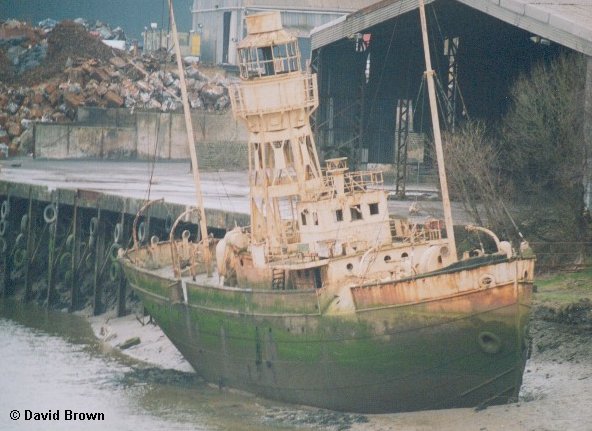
x=275, y=99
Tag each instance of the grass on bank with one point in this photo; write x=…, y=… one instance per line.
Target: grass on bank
x=564, y=287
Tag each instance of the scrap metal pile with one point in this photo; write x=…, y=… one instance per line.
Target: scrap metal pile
x=47, y=72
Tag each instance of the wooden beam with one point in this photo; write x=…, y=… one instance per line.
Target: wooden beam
x=588, y=135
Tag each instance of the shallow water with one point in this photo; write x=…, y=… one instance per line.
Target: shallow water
x=51, y=361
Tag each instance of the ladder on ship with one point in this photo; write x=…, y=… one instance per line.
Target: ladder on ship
x=278, y=279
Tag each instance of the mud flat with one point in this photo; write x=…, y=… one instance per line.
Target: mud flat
x=556, y=392
x=154, y=347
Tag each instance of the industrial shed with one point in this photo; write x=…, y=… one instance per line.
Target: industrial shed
x=370, y=66
x=220, y=23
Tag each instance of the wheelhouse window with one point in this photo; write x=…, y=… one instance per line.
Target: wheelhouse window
x=373, y=208
x=355, y=212
x=268, y=60
x=339, y=215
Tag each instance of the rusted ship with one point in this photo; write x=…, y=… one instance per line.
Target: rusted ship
x=325, y=299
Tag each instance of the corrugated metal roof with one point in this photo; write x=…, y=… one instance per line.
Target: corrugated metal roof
x=361, y=20
x=566, y=22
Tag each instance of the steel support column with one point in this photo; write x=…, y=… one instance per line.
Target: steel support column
x=401, y=139
x=450, y=51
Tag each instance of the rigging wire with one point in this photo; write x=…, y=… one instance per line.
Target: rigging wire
x=436, y=66
x=443, y=102
x=223, y=184
x=382, y=72
x=419, y=94
x=152, y=165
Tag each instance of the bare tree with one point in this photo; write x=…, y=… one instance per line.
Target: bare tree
x=472, y=162
x=543, y=153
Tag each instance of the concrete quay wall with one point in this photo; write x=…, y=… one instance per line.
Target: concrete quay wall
x=221, y=140
x=59, y=247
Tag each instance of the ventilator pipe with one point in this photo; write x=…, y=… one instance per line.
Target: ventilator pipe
x=502, y=246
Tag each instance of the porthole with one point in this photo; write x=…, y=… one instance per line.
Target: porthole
x=349, y=266
x=486, y=281
x=387, y=258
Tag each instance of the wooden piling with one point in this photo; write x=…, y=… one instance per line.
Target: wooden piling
x=99, y=266
x=74, y=288
x=121, y=309
x=52, y=232
x=4, y=250
x=3, y=266
x=28, y=247
x=48, y=234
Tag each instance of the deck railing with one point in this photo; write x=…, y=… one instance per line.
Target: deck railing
x=402, y=230
x=361, y=180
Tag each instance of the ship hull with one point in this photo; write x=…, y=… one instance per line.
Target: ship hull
x=460, y=350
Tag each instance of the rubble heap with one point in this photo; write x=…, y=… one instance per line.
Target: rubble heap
x=21, y=48
x=46, y=74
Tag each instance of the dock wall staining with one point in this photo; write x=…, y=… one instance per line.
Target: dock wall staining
x=59, y=247
x=122, y=134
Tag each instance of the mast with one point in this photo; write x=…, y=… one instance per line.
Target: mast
x=190, y=141
x=437, y=137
